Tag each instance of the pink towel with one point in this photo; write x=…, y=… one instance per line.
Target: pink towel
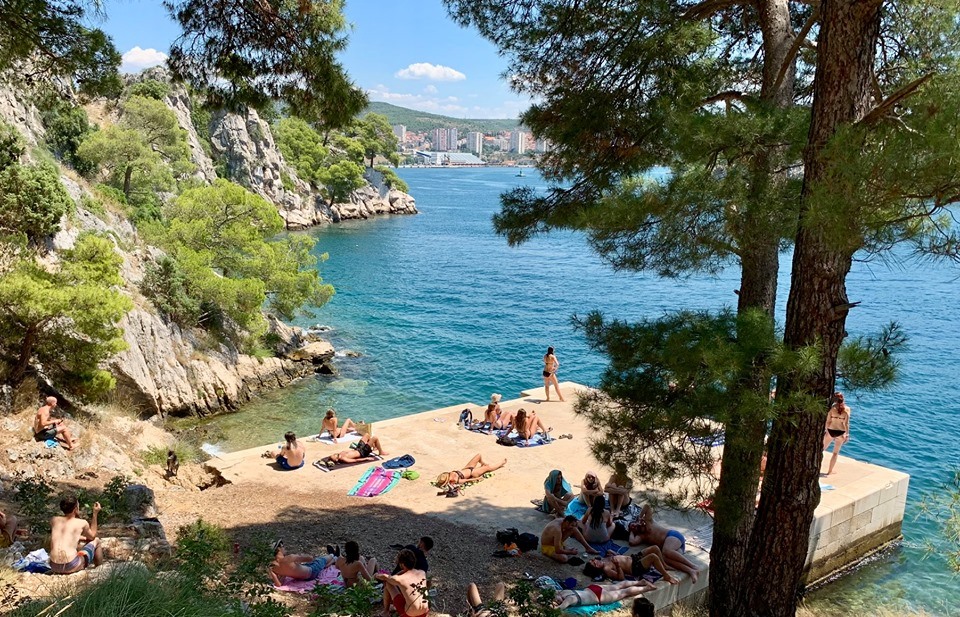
x=329, y=576
x=376, y=481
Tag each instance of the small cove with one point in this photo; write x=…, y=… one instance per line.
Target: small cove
x=440, y=311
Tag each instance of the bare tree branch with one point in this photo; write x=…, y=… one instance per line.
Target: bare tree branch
x=891, y=101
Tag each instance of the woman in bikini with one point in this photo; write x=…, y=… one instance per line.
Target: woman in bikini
x=330, y=423
x=492, y=415
x=597, y=523
x=353, y=566
x=527, y=423
x=590, y=488
x=837, y=429
x=472, y=470
x=601, y=594
x=550, y=366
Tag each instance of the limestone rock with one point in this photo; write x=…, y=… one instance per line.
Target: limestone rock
x=16, y=110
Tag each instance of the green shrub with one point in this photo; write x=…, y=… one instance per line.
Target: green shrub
x=186, y=453
x=65, y=128
x=202, y=551
x=34, y=498
x=391, y=178
x=532, y=601
x=150, y=88
x=165, y=284
x=32, y=200
x=362, y=600
x=92, y=205
x=11, y=145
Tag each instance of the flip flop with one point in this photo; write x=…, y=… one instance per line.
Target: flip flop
x=276, y=545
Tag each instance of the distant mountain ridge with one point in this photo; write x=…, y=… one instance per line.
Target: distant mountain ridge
x=419, y=121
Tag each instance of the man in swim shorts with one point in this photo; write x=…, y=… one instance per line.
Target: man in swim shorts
x=46, y=427
x=291, y=456
x=298, y=567
x=405, y=592
x=66, y=532
x=671, y=542
x=554, y=535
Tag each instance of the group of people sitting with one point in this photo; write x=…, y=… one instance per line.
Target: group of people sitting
x=526, y=423
x=292, y=454
x=404, y=589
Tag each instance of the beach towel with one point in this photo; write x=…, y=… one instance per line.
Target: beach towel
x=401, y=461
x=462, y=485
x=708, y=440
x=609, y=545
x=826, y=487
x=37, y=562
x=576, y=508
x=376, y=481
x=595, y=608
x=328, y=576
x=537, y=440
x=373, y=457
x=326, y=438
x=51, y=443
x=483, y=428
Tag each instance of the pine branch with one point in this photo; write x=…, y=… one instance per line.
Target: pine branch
x=881, y=110
x=795, y=48
x=707, y=8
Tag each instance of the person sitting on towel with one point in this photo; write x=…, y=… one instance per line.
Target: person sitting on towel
x=298, y=567
x=353, y=566
x=671, y=542
x=359, y=452
x=555, y=534
x=330, y=425
x=595, y=594
x=291, y=455
x=474, y=469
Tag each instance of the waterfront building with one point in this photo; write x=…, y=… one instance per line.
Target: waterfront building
x=400, y=131
x=475, y=142
x=448, y=159
x=445, y=140
x=518, y=142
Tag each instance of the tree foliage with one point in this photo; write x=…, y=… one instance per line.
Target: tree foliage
x=64, y=319
x=50, y=38
x=340, y=179
x=229, y=260
x=11, y=145
x=32, y=200
x=302, y=147
x=149, y=88
x=251, y=53
x=376, y=136
x=65, y=128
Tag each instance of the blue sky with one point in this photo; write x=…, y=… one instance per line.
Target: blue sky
x=405, y=52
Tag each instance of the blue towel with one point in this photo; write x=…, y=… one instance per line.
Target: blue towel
x=709, y=440
x=595, y=608
x=609, y=545
x=576, y=508
x=401, y=461
x=51, y=443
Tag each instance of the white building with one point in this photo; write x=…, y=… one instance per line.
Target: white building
x=475, y=142
x=445, y=140
x=400, y=131
x=543, y=145
x=518, y=142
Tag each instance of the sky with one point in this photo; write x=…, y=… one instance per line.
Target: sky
x=405, y=52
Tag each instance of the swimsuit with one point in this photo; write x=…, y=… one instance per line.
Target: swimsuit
x=834, y=432
x=364, y=449
x=548, y=550
x=547, y=373
x=282, y=461
x=401, y=605
x=637, y=568
x=566, y=594
x=679, y=536
x=317, y=565
x=597, y=590
x=84, y=556
x=47, y=432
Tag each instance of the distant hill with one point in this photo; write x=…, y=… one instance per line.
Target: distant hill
x=418, y=121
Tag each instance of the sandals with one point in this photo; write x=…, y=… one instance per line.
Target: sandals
x=567, y=436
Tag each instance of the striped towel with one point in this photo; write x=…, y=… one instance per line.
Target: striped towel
x=376, y=481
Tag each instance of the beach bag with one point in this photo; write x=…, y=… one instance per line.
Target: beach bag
x=506, y=441
x=527, y=542
x=363, y=428
x=466, y=417
x=509, y=535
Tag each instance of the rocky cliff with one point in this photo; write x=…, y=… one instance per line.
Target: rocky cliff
x=167, y=369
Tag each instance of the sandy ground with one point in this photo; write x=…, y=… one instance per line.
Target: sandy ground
x=308, y=508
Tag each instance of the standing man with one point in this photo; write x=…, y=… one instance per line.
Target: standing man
x=65, y=534
x=45, y=426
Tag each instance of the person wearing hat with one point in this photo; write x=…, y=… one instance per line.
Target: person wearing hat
x=298, y=567
x=492, y=415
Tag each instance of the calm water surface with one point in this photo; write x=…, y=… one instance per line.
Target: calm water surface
x=442, y=311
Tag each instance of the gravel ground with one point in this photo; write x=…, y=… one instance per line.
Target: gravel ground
x=307, y=523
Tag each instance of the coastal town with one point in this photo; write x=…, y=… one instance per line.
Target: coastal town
x=451, y=147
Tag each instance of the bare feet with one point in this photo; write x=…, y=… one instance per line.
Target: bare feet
x=672, y=580
x=382, y=453
x=694, y=576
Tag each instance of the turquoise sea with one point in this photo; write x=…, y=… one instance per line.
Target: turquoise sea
x=441, y=311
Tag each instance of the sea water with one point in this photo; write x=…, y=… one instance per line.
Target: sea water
x=436, y=309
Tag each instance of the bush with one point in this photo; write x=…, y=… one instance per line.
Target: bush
x=11, y=145
x=362, y=600
x=32, y=200
x=186, y=453
x=66, y=127
x=34, y=496
x=149, y=88
x=391, y=178
x=202, y=551
x=165, y=284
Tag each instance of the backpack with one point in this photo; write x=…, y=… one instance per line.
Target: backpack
x=506, y=441
x=466, y=418
x=509, y=535
x=527, y=542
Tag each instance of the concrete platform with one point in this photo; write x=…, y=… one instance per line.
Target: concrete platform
x=861, y=513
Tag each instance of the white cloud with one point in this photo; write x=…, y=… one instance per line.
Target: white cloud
x=138, y=59
x=433, y=72
x=449, y=105
x=431, y=89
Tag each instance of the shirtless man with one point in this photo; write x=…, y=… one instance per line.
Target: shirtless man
x=670, y=541
x=45, y=426
x=555, y=534
x=299, y=567
x=616, y=567
x=65, y=534
x=291, y=455
x=8, y=529
x=618, y=489
x=359, y=452
x=406, y=591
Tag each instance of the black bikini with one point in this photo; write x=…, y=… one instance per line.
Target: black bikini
x=835, y=432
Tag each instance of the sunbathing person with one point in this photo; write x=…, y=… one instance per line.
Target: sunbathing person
x=358, y=452
x=556, y=494
x=617, y=567
x=330, y=425
x=490, y=609
x=671, y=542
x=505, y=420
x=354, y=566
x=555, y=534
x=526, y=423
x=47, y=427
x=474, y=469
x=291, y=456
x=618, y=489
x=590, y=488
x=492, y=414
x=298, y=567
x=601, y=594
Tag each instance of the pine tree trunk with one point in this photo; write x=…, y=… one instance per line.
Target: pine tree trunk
x=735, y=499
x=23, y=358
x=127, y=175
x=815, y=315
